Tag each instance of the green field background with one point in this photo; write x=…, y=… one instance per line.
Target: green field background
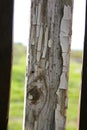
x=17, y=88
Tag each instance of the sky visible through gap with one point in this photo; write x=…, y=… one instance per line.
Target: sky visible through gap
x=22, y=23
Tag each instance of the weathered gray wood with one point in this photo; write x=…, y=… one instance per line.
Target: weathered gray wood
x=48, y=62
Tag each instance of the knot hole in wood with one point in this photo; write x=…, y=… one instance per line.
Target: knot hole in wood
x=34, y=94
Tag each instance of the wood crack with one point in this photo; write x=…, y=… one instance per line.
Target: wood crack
x=48, y=63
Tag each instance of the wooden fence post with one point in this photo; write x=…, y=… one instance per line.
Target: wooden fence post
x=83, y=104
x=6, y=17
x=47, y=65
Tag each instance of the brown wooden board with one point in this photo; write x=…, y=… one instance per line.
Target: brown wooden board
x=83, y=105
x=6, y=16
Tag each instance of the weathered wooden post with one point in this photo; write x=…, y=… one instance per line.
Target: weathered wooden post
x=47, y=66
x=83, y=104
x=6, y=14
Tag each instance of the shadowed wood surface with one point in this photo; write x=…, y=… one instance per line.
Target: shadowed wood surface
x=83, y=104
x=6, y=12
x=47, y=66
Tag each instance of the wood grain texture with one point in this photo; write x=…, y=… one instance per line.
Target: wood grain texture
x=47, y=66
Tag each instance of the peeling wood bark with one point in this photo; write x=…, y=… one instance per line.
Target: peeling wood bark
x=47, y=66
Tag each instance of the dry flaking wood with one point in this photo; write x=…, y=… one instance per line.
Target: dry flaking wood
x=47, y=65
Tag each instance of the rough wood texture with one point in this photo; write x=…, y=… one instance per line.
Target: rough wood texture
x=48, y=63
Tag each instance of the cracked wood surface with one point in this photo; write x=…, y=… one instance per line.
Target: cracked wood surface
x=47, y=66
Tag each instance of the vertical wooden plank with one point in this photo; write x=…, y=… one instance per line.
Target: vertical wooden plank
x=83, y=103
x=47, y=65
x=6, y=16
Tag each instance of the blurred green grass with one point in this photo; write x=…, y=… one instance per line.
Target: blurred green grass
x=17, y=89
x=73, y=94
